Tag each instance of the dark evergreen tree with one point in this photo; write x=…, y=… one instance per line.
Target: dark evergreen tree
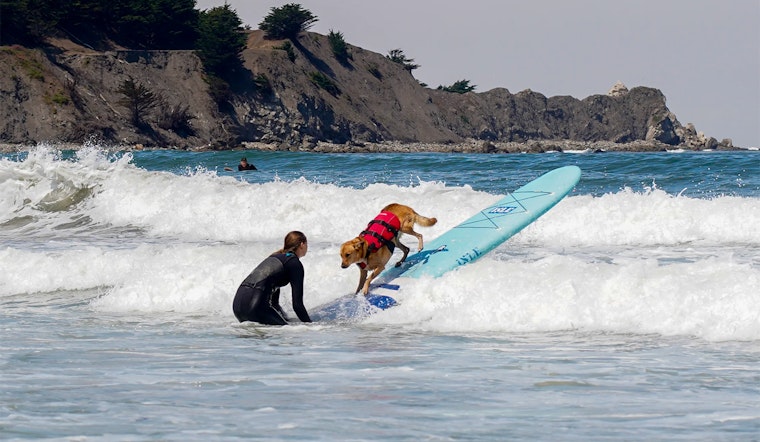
x=138, y=99
x=27, y=21
x=287, y=22
x=221, y=39
x=89, y=22
x=459, y=87
x=397, y=56
x=156, y=24
x=13, y=24
x=146, y=24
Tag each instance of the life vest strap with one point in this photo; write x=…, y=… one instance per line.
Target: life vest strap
x=387, y=225
x=383, y=241
x=381, y=231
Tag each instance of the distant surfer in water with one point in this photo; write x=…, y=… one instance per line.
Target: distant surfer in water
x=244, y=165
x=258, y=297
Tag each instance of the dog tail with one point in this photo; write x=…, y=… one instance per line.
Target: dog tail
x=423, y=220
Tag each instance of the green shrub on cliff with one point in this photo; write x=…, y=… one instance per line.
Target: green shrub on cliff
x=287, y=22
x=288, y=48
x=338, y=46
x=175, y=118
x=397, y=56
x=459, y=87
x=263, y=85
x=324, y=82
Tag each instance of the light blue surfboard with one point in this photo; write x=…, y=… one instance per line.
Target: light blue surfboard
x=469, y=240
x=352, y=307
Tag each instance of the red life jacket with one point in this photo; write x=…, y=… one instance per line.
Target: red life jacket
x=381, y=231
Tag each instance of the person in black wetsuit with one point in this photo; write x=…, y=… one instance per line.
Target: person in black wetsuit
x=258, y=297
x=245, y=165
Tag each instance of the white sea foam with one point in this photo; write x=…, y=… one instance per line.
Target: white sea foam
x=157, y=242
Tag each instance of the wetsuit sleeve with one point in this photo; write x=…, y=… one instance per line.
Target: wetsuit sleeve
x=296, y=274
x=276, y=303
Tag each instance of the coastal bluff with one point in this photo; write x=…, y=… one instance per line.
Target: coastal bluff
x=307, y=100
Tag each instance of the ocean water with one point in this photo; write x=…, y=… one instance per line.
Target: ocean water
x=629, y=311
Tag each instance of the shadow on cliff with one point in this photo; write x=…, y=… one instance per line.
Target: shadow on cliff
x=313, y=60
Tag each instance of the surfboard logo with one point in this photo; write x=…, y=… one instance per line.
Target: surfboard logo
x=502, y=209
x=469, y=256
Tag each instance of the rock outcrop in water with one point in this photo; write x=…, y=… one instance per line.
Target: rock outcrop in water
x=70, y=94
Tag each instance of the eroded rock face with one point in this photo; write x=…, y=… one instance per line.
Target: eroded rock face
x=617, y=90
x=663, y=129
x=68, y=93
x=72, y=96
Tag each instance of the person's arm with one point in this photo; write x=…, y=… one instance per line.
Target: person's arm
x=295, y=270
x=276, y=303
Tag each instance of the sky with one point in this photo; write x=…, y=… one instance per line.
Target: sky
x=704, y=55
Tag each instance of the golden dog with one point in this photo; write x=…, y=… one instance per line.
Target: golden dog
x=372, y=249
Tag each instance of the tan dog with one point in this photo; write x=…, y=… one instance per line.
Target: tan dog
x=373, y=248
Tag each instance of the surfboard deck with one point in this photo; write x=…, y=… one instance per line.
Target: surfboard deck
x=476, y=236
x=352, y=307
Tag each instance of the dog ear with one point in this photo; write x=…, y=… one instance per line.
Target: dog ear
x=359, y=245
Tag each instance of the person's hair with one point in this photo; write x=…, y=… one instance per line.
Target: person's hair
x=244, y=159
x=292, y=241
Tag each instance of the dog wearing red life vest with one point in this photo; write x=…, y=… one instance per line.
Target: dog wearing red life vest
x=373, y=248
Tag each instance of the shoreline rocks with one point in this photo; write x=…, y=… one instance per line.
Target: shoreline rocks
x=469, y=146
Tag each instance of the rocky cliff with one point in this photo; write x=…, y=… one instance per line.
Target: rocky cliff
x=302, y=100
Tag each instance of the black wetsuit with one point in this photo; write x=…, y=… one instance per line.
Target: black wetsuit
x=258, y=297
x=249, y=166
